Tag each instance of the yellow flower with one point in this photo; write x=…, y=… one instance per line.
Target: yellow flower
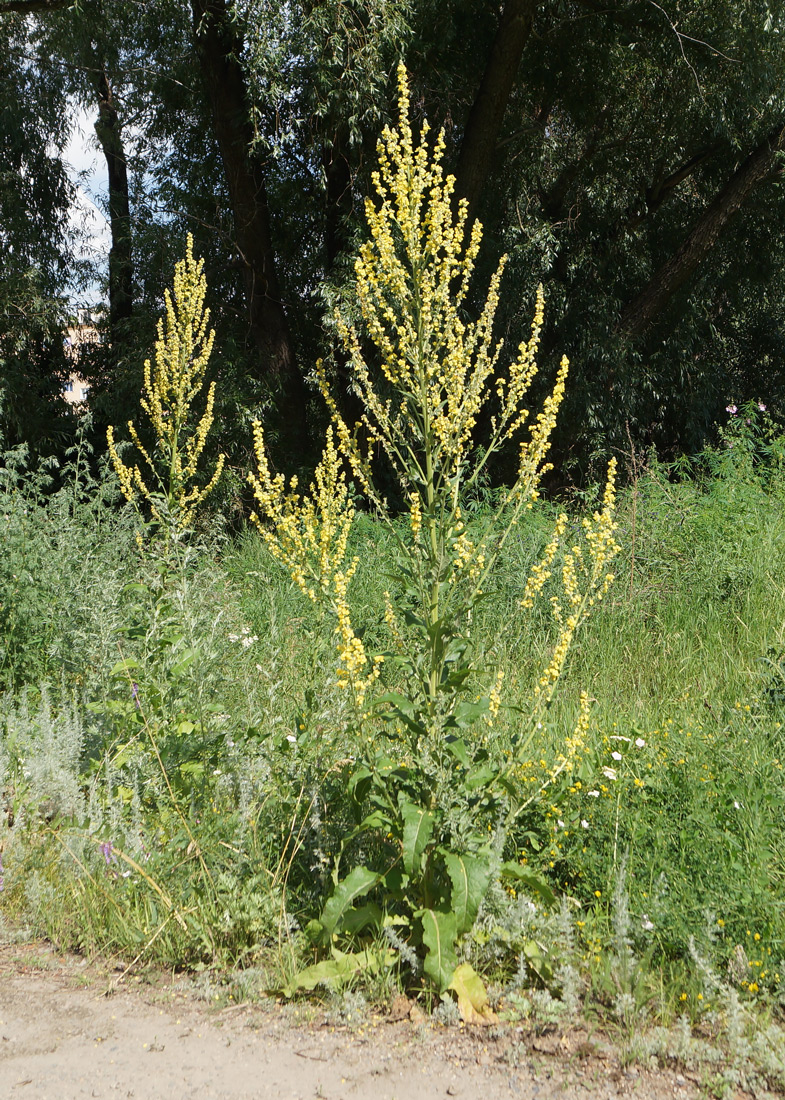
x=182, y=351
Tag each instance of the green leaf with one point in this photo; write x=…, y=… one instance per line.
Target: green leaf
x=439, y=933
x=480, y=777
x=533, y=882
x=314, y=931
x=470, y=876
x=339, y=970
x=400, y=702
x=466, y=714
x=404, y=710
x=355, y=885
x=185, y=660
x=360, y=784
x=126, y=665
x=357, y=919
x=417, y=829
x=376, y=819
x=457, y=746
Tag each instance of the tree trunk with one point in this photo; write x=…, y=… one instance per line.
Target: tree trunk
x=338, y=196
x=219, y=47
x=487, y=113
x=109, y=132
x=643, y=311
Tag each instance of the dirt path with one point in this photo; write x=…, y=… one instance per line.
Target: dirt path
x=63, y=1038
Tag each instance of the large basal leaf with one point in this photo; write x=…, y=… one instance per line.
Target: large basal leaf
x=355, y=885
x=469, y=876
x=417, y=829
x=439, y=932
x=472, y=996
x=339, y=970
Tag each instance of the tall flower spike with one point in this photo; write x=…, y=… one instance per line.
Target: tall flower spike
x=171, y=384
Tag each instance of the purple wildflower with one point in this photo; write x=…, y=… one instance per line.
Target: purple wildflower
x=109, y=855
x=731, y=409
x=135, y=694
x=761, y=406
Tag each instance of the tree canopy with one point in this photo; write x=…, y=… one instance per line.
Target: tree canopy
x=626, y=154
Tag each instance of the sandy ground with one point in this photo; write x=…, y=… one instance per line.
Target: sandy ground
x=63, y=1036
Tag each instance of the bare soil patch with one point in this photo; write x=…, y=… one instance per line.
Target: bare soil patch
x=63, y=1036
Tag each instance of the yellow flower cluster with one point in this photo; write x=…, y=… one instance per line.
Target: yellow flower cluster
x=309, y=534
x=391, y=619
x=182, y=352
x=413, y=276
x=585, y=580
x=542, y=570
x=495, y=698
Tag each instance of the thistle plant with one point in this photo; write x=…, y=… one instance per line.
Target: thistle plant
x=431, y=375
x=170, y=484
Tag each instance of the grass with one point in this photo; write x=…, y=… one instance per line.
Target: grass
x=172, y=758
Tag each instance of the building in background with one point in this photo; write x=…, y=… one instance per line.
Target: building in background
x=82, y=333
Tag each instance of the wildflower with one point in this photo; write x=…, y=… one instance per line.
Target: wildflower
x=616, y=755
x=182, y=351
x=593, y=794
x=646, y=924
x=761, y=406
x=731, y=409
x=609, y=773
x=639, y=743
x=584, y=823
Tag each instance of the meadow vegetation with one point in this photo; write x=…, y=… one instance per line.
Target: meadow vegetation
x=376, y=742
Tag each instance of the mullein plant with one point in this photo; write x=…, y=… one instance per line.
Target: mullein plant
x=433, y=788
x=170, y=483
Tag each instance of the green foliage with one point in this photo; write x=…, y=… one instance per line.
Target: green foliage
x=64, y=550
x=238, y=867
